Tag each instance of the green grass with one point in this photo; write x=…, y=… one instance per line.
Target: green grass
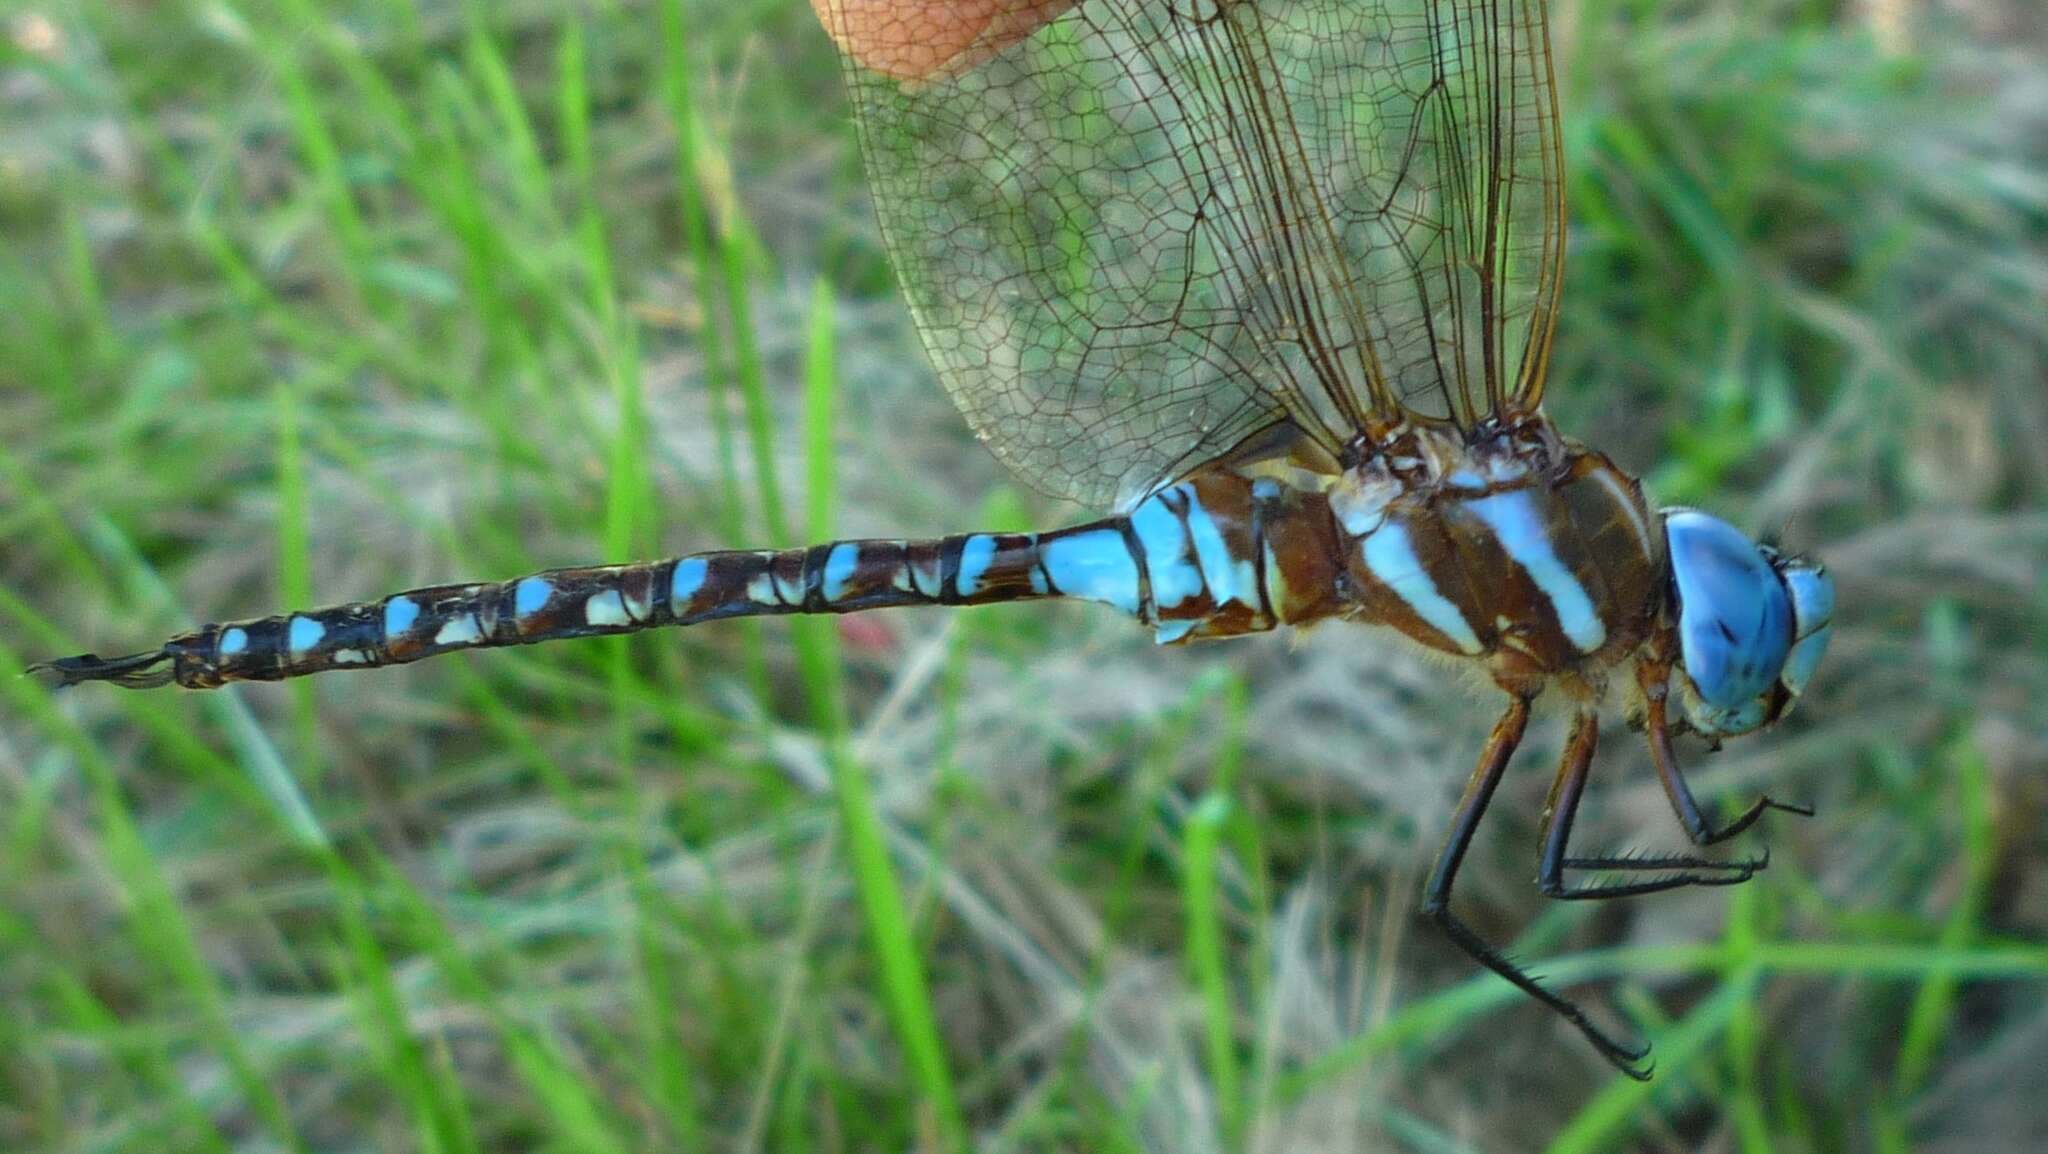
x=303, y=304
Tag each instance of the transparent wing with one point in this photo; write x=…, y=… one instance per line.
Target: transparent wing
x=1134, y=233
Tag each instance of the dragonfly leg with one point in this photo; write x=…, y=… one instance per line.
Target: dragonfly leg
x=1563, y=806
x=1436, y=897
x=1697, y=826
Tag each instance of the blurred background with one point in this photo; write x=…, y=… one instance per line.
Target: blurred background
x=307, y=303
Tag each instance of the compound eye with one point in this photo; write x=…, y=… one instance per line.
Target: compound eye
x=1813, y=597
x=1813, y=611
x=1734, y=615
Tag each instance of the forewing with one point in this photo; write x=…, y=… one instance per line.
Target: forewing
x=1452, y=200
x=1133, y=233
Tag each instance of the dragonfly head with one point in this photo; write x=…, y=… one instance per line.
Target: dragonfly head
x=1752, y=623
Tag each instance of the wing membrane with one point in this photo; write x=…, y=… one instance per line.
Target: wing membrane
x=1134, y=233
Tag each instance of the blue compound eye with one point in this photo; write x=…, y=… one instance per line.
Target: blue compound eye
x=1734, y=616
x=1813, y=611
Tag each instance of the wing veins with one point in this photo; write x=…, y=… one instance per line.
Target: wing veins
x=1248, y=278
x=1169, y=215
x=1304, y=328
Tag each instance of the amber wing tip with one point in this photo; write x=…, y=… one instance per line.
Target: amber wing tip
x=135, y=671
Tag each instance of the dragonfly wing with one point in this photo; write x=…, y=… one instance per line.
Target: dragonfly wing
x=1452, y=202
x=1137, y=233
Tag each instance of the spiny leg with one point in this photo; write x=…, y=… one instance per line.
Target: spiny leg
x=1652, y=862
x=1697, y=826
x=1563, y=806
x=1436, y=897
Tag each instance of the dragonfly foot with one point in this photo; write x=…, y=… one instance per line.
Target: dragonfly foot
x=1632, y=1061
x=1707, y=835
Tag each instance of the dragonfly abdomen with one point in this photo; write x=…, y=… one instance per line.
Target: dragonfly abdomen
x=586, y=601
x=1217, y=556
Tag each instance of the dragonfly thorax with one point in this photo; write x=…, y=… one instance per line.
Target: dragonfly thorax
x=1516, y=547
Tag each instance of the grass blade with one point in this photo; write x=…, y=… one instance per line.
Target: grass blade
x=1211, y=973
x=897, y=959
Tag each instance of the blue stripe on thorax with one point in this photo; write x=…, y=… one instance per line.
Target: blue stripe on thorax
x=1390, y=555
x=1519, y=528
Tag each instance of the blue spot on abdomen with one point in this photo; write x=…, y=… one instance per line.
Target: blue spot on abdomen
x=399, y=615
x=1094, y=566
x=531, y=596
x=977, y=553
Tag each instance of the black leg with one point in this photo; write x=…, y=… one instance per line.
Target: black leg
x=1697, y=827
x=1436, y=897
x=1659, y=861
x=1563, y=806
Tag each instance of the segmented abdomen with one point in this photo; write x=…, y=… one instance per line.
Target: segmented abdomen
x=592, y=601
x=1217, y=556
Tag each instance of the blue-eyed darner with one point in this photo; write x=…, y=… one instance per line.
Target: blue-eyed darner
x=1277, y=280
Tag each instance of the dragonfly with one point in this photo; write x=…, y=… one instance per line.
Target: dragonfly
x=1274, y=284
